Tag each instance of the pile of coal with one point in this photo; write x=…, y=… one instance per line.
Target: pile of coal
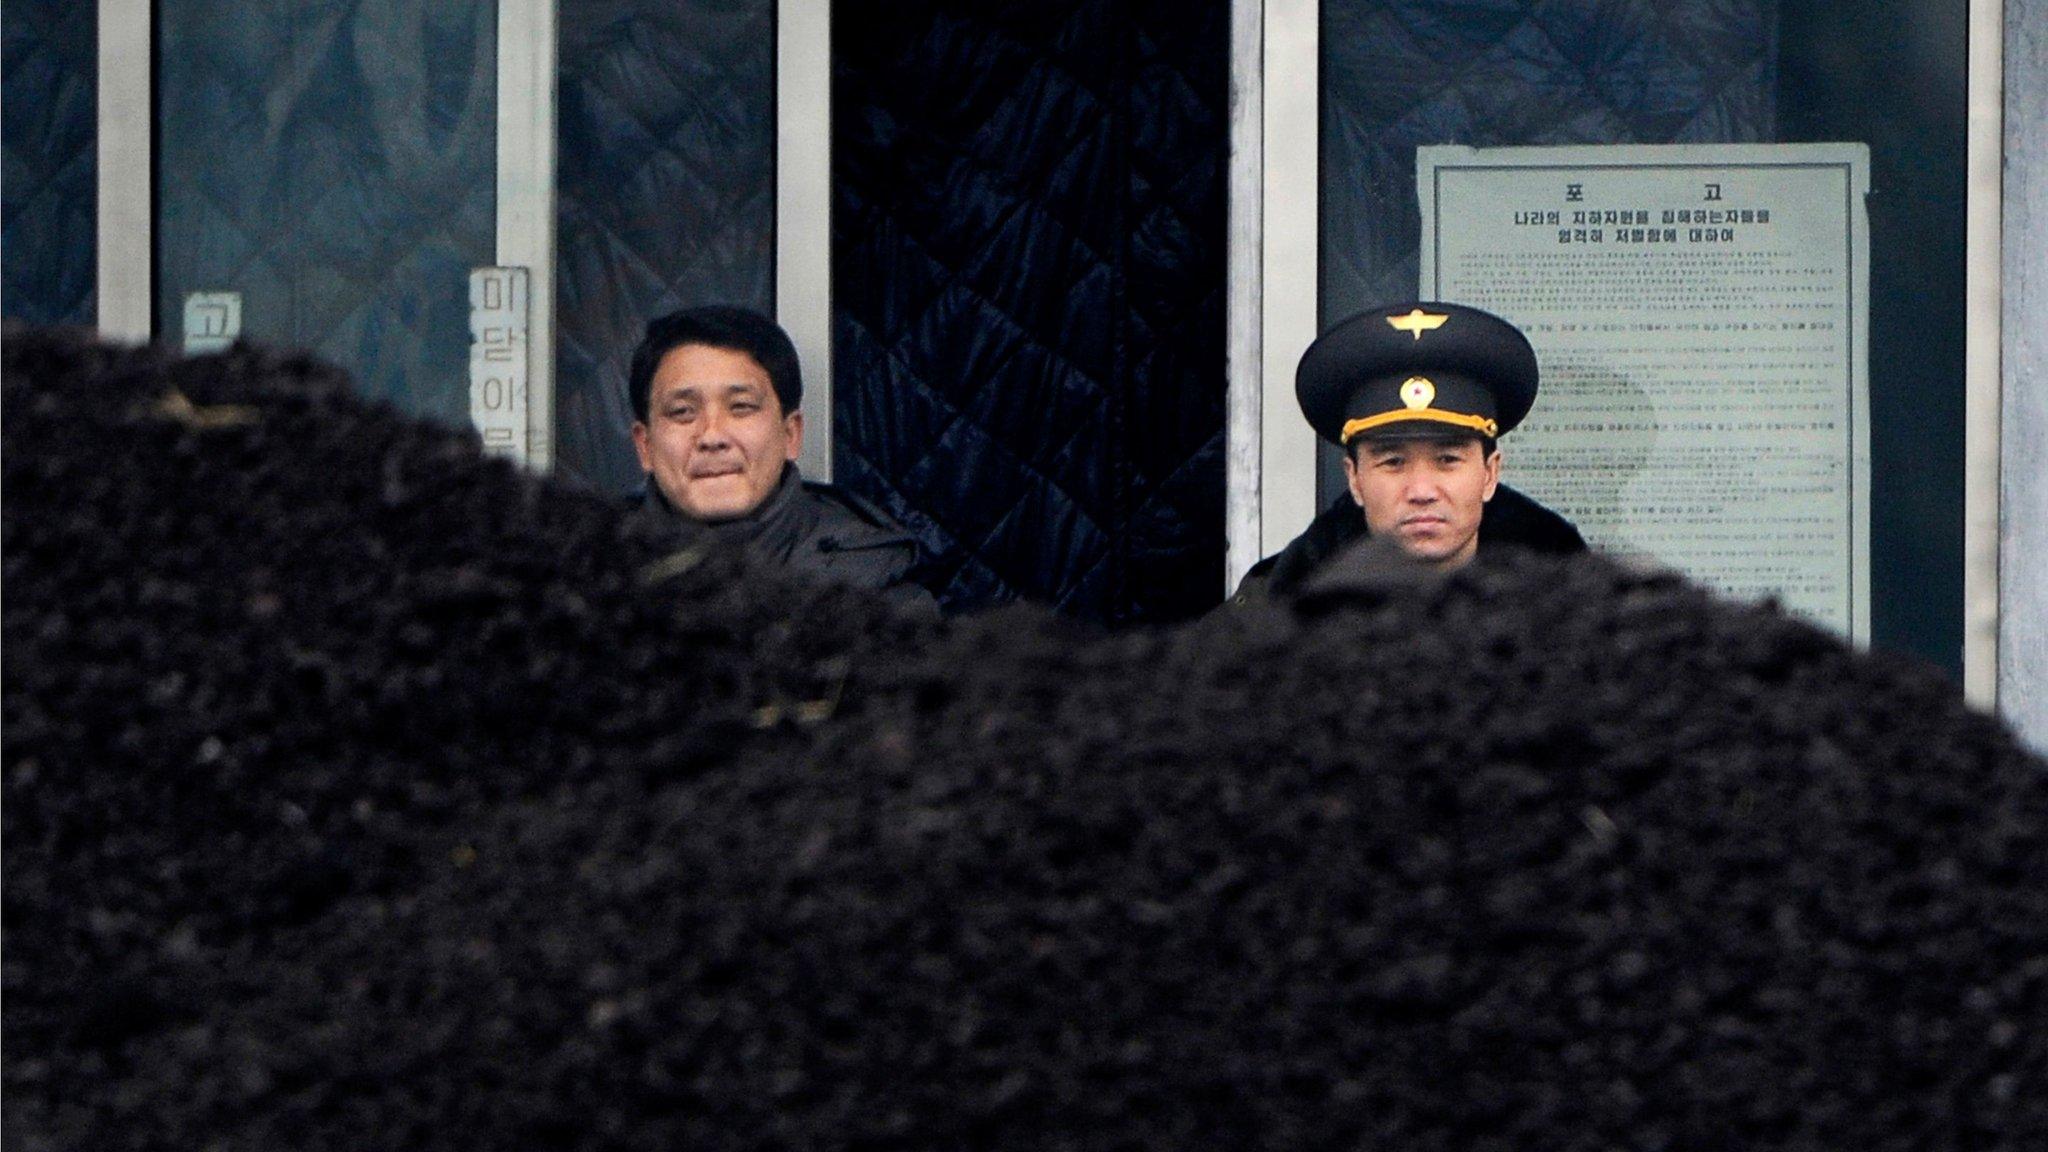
x=361, y=792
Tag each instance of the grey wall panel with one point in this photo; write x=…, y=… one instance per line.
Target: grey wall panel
x=333, y=161
x=2023, y=496
x=666, y=193
x=47, y=138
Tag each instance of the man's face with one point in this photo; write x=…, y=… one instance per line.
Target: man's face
x=1425, y=495
x=716, y=438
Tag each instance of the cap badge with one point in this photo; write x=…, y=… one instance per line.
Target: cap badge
x=1417, y=392
x=1416, y=322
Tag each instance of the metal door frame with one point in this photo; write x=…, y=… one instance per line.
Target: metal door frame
x=124, y=277
x=1270, y=471
x=1270, y=452
x=527, y=95
x=803, y=210
x=1274, y=128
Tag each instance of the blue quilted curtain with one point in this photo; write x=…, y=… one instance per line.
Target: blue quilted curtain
x=48, y=187
x=666, y=196
x=335, y=162
x=1028, y=282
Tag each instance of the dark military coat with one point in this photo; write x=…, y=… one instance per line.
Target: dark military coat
x=1511, y=520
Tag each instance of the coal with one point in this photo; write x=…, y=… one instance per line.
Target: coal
x=365, y=792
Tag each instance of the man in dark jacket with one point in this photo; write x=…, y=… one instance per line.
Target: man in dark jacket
x=1418, y=396
x=716, y=393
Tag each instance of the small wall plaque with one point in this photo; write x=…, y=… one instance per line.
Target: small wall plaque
x=212, y=320
x=497, y=359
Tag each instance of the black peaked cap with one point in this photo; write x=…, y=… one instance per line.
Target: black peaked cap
x=1477, y=368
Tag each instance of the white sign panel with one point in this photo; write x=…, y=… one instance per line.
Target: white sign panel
x=497, y=359
x=212, y=321
x=1700, y=314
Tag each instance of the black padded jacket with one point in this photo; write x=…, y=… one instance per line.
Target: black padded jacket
x=1511, y=520
x=814, y=531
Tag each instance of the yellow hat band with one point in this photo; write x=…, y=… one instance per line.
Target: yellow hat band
x=1480, y=424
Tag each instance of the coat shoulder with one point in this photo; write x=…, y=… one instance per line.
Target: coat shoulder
x=847, y=521
x=853, y=542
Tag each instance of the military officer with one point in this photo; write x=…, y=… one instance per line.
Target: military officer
x=1418, y=396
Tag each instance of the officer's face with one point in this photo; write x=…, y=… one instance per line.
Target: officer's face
x=1427, y=496
x=716, y=437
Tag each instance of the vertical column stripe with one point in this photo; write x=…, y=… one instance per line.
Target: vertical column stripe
x=1244, y=291
x=526, y=196
x=127, y=121
x=1980, y=362
x=803, y=210
x=1291, y=220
